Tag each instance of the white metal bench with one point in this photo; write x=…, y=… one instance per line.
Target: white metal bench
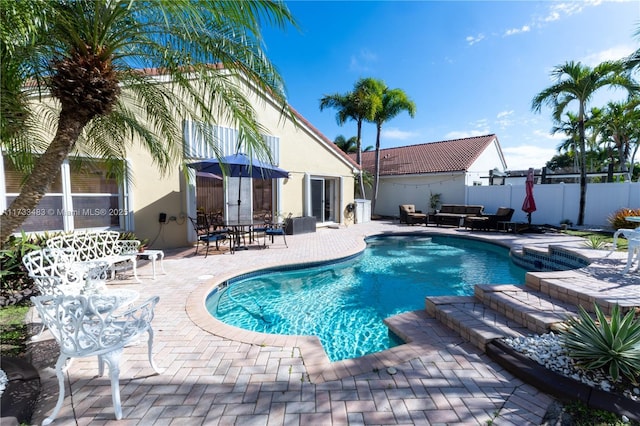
x=91, y=326
x=99, y=246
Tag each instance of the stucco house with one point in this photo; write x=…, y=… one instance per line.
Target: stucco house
x=84, y=196
x=411, y=174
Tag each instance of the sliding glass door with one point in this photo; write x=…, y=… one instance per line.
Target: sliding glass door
x=323, y=199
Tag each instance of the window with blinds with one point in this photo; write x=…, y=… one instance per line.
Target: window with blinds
x=94, y=199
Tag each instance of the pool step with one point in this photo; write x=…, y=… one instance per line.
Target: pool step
x=537, y=311
x=579, y=290
x=472, y=320
x=497, y=311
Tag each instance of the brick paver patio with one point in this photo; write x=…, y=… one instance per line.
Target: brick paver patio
x=216, y=374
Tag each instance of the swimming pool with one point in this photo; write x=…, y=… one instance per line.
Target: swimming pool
x=344, y=303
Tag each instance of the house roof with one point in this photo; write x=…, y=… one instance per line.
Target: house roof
x=351, y=160
x=455, y=155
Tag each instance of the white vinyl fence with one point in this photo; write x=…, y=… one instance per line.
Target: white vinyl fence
x=558, y=202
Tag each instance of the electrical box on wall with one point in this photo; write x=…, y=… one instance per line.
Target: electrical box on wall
x=162, y=218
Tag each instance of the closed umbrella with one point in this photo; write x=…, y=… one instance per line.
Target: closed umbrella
x=529, y=204
x=239, y=165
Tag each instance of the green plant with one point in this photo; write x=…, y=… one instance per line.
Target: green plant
x=602, y=344
x=13, y=277
x=595, y=242
x=13, y=330
x=617, y=218
x=583, y=415
x=434, y=200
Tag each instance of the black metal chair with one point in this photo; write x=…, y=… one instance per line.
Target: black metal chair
x=275, y=229
x=205, y=235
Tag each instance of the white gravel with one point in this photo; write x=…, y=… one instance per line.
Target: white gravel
x=3, y=381
x=547, y=350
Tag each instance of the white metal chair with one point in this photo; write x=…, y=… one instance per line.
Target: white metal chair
x=633, y=249
x=92, y=326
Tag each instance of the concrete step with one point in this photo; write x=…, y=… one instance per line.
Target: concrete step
x=535, y=310
x=580, y=290
x=472, y=320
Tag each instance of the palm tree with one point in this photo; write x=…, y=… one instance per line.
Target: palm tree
x=577, y=82
x=570, y=145
x=393, y=102
x=617, y=126
x=349, y=146
x=87, y=53
x=359, y=105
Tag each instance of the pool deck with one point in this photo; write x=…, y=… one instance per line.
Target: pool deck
x=217, y=374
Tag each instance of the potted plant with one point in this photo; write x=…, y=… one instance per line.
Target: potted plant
x=143, y=245
x=434, y=201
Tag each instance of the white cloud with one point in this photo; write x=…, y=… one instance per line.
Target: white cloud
x=395, y=133
x=475, y=39
x=504, y=114
x=524, y=156
x=461, y=134
x=523, y=29
x=612, y=54
x=362, y=60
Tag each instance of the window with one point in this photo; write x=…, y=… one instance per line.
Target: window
x=93, y=198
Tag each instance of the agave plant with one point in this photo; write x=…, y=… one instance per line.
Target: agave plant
x=601, y=344
x=595, y=242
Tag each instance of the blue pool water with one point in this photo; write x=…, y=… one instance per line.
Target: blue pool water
x=344, y=303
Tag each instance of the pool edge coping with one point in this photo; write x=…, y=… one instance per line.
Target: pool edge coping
x=319, y=368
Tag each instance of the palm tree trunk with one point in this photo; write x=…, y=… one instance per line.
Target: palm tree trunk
x=45, y=171
x=376, y=178
x=359, y=156
x=583, y=170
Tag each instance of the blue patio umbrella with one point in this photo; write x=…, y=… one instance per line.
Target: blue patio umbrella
x=239, y=165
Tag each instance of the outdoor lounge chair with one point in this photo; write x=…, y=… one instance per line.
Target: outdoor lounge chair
x=489, y=221
x=409, y=214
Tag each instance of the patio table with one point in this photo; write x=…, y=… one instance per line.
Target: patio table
x=238, y=229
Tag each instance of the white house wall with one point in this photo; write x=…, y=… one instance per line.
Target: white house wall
x=491, y=158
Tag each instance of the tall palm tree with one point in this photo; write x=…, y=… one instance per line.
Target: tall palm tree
x=359, y=105
x=393, y=102
x=578, y=83
x=87, y=53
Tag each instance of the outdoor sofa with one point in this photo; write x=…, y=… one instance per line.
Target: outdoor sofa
x=454, y=214
x=489, y=222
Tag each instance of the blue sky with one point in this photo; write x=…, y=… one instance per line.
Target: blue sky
x=471, y=67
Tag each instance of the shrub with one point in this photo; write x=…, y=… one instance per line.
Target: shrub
x=602, y=344
x=617, y=218
x=14, y=281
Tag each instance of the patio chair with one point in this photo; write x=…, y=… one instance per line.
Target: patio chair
x=409, y=214
x=262, y=228
x=205, y=235
x=633, y=248
x=91, y=326
x=489, y=221
x=275, y=229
